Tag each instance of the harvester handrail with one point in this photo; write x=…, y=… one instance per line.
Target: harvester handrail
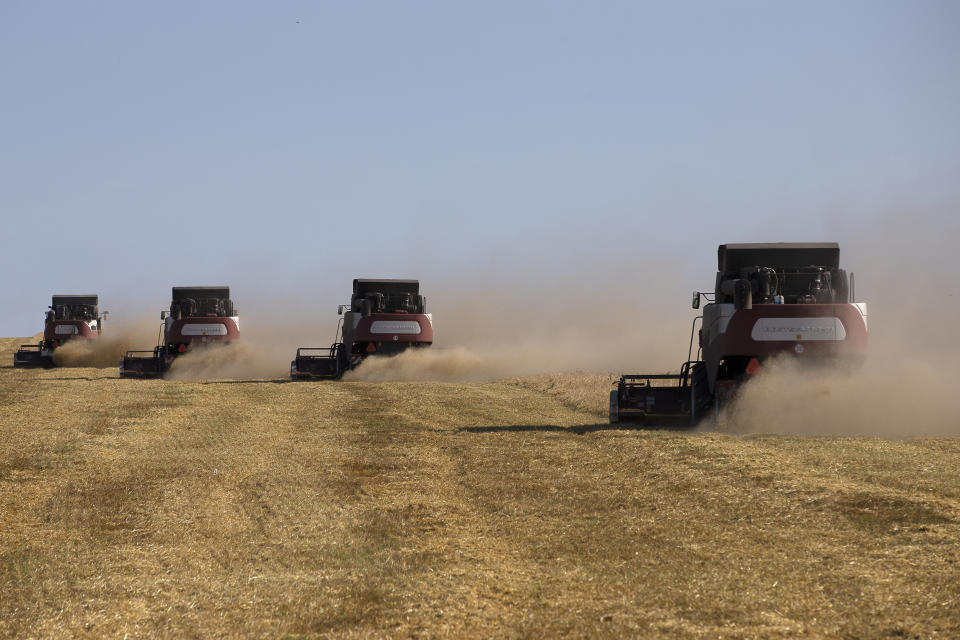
x=132, y=351
x=693, y=326
x=651, y=376
x=686, y=370
x=683, y=378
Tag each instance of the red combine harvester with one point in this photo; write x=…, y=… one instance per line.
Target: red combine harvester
x=74, y=317
x=385, y=318
x=197, y=316
x=769, y=300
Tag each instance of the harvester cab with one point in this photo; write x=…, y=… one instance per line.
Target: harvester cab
x=769, y=299
x=69, y=317
x=197, y=316
x=385, y=317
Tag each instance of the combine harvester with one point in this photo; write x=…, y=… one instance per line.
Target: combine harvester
x=74, y=317
x=385, y=318
x=197, y=316
x=769, y=299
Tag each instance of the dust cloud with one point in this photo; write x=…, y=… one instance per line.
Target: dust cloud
x=888, y=397
x=434, y=365
x=107, y=350
x=264, y=351
x=459, y=364
x=240, y=360
x=906, y=270
x=600, y=317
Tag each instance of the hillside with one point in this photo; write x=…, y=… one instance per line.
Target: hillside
x=267, y=508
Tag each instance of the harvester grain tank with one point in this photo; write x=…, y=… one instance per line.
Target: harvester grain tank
x=385, y=317
x=69, y=317
x=197, y=316
x=769, y=299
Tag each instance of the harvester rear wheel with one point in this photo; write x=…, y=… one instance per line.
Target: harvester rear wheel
x=614, y=407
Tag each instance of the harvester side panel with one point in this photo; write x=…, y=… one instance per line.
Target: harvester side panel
x=809, y=331
x=201, y=329
x=63, y=330
x=772, y=328
x=395, y=327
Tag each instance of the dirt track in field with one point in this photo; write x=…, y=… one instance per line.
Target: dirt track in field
x=273, y=509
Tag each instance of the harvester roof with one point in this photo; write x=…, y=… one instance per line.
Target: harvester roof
x=385, y=286
x=733, y=257
x=181, y=293
x=87, y=299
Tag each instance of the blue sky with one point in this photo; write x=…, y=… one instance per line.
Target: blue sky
x=285, y=148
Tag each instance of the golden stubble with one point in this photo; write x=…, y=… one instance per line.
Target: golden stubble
x=225, y=508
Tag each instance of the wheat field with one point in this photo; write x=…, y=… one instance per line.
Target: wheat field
x=265, y=508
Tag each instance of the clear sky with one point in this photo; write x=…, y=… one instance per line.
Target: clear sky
x=285, y=148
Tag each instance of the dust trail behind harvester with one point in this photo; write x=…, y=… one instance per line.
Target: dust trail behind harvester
x=263, y=351
x=108, y=350
x=497, y=324
x=888, y=397
x=460, y=364
x=907, y=385
x=239, y=360
x=435, y=365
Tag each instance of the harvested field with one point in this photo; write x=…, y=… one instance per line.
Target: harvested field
x=240, y=508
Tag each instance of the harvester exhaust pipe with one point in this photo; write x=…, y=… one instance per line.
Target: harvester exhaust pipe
x=741, y=291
